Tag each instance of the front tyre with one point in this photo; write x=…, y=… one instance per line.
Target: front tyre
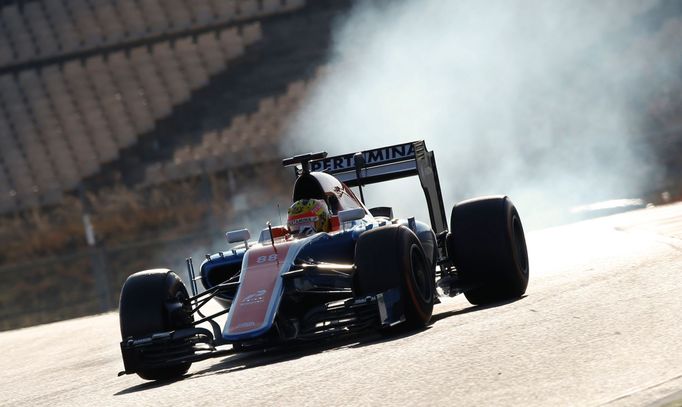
x=154, y=301
x=488, y=247
x=392, y=257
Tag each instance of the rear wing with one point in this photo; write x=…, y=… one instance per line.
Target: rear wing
x=389, y=163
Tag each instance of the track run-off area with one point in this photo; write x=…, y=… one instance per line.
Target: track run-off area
x=601, y=324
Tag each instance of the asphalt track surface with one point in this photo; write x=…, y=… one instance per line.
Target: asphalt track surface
x=601, y=324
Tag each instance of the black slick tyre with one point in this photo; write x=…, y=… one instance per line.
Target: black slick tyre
x=488, y=247
x=154, y=301
x=392, y=257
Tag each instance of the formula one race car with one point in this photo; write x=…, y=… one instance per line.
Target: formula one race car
x=335, y=267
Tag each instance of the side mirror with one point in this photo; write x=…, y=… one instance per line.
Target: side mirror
x=241, y=235
x=351, y=214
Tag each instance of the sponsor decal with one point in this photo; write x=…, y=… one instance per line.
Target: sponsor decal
x=378, y=156
x=255, y=298
x=306, y=219
x=258, y=290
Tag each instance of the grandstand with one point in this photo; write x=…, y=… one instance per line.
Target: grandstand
x=143, y=118
x=124, y=111
x=83, y=80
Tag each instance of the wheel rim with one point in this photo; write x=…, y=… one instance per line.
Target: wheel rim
x=520, y=250
x=420, y=275
x=179, y=310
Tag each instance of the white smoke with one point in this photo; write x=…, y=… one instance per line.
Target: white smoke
x=535, y=99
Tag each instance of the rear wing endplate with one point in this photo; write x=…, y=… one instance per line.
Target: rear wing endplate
x=389, y=163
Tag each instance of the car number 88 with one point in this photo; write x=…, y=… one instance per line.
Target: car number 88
x=270, y=258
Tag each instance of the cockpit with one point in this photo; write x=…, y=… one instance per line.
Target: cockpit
x=318, y=185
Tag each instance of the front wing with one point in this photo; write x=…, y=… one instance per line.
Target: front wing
x=194, y=344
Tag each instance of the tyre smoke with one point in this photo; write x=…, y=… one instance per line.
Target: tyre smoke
x=543, y=101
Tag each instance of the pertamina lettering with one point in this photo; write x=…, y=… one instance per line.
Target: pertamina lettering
x=374, y=157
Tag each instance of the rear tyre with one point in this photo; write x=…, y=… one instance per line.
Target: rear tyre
x=154, y=301
x=392, y=257
x=488, y=247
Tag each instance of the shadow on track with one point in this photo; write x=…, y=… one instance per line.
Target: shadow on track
x=147, y=385
x=252, y=359
x=437, y=317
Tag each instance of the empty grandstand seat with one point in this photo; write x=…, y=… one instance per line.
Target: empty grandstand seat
x=155, y=90
x=210, y=139
x=225, y=10
x=293, y=4
x=272, y=6
x=90, y=110
x=85, y=21
x=7, y=201
x=179, y=15
x=251, y=33
x=231, y=43
x=132, y=18
x=41, y=29
x=188, y=56
x=18, y=33
x=24, y=131
x=14, y=162
x=239, y=122
x=21, y=136
x=202, y=12
x=172, y=171
x=70, y=121
x=266, y=105
x=182, y=154
x=171, y=73
x=296, y=88
x=109, y=19
x=156, y=14
x=211, y=53
x=111, y=101
x=248, y=8
x=37, y=157
x=6, y=52
x=69, y=38
x=131, y=91
x=154, y=174
x=48, y=127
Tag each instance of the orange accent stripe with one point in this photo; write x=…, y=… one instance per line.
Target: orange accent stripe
x=303, y=215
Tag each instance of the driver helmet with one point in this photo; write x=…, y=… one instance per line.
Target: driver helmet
x=308, y=215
